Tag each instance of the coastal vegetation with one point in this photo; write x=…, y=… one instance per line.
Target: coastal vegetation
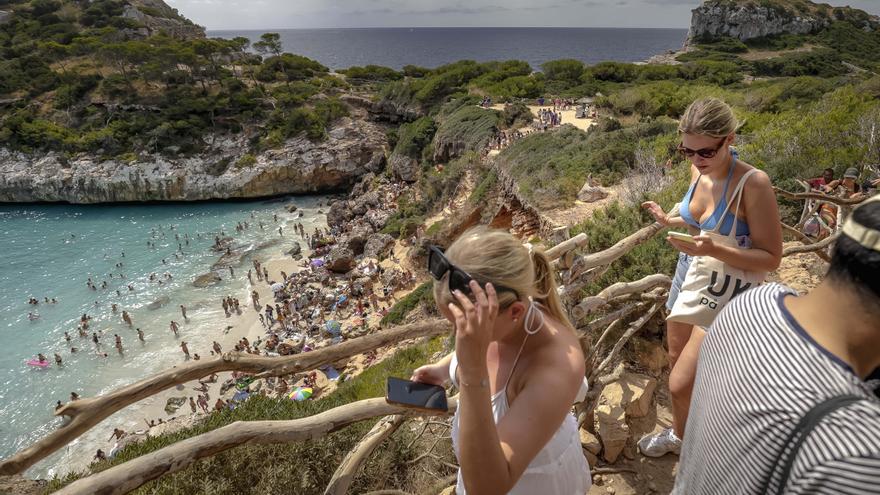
x=76, y=78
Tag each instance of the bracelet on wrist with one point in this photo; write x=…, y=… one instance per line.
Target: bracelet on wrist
x=483, y=383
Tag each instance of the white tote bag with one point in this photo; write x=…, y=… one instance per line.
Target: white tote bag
x=711, y=283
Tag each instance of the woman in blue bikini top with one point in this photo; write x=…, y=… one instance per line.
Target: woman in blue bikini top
x=708, y=129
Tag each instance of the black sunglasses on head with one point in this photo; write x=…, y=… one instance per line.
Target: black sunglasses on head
x=704, y=152
x=459, y=279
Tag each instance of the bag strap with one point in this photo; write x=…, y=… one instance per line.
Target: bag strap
x=737, y=196
x=796, y=438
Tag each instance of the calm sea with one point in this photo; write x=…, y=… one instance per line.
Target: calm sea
x=52, y=250
x=431, y=47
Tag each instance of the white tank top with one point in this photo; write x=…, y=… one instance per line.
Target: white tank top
x=560, y=468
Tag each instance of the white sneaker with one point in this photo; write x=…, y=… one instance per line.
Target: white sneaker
x=660, y=444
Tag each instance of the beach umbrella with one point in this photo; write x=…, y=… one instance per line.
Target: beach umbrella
x=317, y=262
x=300, y=394
x=277, y=286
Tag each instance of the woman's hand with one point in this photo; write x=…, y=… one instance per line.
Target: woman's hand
x=654, y=209
x=703, y=246
x=474, y=326
x=433, y=374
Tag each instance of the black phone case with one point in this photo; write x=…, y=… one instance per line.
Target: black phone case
x=415, y=395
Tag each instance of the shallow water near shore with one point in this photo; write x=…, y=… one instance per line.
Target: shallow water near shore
x=51, y=251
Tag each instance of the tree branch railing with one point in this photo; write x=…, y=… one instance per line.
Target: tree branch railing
x=88, y=412
x=133, y=474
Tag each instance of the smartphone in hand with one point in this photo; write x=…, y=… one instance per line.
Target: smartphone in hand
x=680, y=236
x=415, y=395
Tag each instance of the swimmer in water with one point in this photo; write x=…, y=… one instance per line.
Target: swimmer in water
x=184, y=348
x=183, y=311
x=74, y=396
x=174, y=327
x=140, y=335
x=58, y=359
x=67, y=336
x=41, y=358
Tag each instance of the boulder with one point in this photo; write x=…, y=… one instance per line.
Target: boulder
x=591, y=193
x=340, y=260
x=291, y=208
x=652, y=356
x=613, y=430
x=632, y=392
x=404, y=167
x=295, y=250
x=378, y=217
x=206, y=279
x=158, y=303
x=339, y=213
x=377, y=245
x=589, y=442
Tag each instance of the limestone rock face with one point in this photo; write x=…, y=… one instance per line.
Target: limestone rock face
x=156, y=16
x=377, y=245
x=352, y=149
x=404, y=167
x=747, y=20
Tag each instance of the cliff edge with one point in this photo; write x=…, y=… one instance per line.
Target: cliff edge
x=748, y=19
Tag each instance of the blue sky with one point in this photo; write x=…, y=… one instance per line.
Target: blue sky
x=265, y=14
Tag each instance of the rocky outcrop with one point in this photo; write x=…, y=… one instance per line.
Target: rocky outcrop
x=352, y=149
x=745, y=20
x=404, y=167
x=395, y=112
x=377, y=245
x=157, y=17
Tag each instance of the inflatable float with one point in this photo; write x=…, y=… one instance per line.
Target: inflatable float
x=37, y=363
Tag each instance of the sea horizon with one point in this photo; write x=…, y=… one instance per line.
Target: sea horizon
x=395, y=47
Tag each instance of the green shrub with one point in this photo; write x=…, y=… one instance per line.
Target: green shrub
x=423, y=294
x=414, y=137
x=467, y=129
x=372, y=73
x=550, y=168
x=563, y=70
x=616, y=221
x=247, y=160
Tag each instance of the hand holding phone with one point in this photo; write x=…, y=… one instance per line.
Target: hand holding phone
x=415, y=395
x=680, y=236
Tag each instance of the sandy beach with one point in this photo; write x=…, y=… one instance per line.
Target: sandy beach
x=247, y=324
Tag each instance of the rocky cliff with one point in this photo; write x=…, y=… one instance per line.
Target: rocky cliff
x=156, y=16
x=747, y=19
x=353, y=148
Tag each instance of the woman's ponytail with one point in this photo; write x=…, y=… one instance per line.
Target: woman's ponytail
x=545, y=285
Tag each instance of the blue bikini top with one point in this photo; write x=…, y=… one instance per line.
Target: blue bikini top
x=742, y=228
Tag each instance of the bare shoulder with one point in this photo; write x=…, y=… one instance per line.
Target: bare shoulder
x=758, y=181
x=564, y=355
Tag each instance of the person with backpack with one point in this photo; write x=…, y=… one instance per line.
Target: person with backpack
x=785, y=398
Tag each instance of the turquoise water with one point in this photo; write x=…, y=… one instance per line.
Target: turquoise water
x=51, y=251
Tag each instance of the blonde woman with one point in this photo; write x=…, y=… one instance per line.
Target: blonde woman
x=517, y=364
x=708, y=129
